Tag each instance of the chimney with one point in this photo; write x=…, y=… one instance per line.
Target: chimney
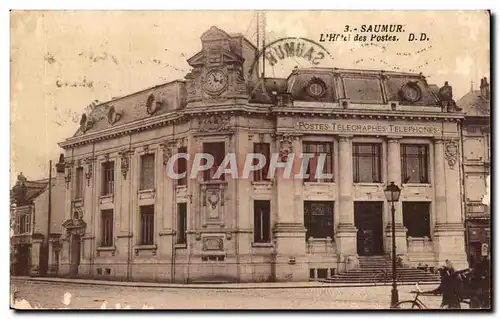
x=485, y=89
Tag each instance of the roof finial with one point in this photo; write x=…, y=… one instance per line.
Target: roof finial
x=471, y=85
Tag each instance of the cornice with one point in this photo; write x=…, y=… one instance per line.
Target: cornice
x=249, y=109
x=124, y=129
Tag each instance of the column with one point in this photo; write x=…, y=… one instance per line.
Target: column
x=449, y=235
x=346, y=231
x=394, y=175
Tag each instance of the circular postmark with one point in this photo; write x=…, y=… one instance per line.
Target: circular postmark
x=290, y=48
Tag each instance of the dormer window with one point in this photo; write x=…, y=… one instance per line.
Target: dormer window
x=411, y=92
x=316, y=88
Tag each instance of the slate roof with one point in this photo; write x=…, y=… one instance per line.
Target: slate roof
x=473, y=104
x=133, y=107
x=360, y=86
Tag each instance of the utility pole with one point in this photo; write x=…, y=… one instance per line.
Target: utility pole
x=263, y=44
x=49, y=213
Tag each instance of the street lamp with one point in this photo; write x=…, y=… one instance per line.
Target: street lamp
x=392, y=193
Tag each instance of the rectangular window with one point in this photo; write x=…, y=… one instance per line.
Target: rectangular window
x=262, y=221
x=147, y=172
x=317, y=149
x=415, y=163
x=23, y=223
x=107, y=228
x=182, y=166
x=181, y=223
x=147, y=224
x=79, y=183
x=108, y=178
x=318, y=219
x=264, y=149
x=217, y=150
x=367, y=164
x=416, y=218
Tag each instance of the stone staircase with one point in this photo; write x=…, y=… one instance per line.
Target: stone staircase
x=378, y=270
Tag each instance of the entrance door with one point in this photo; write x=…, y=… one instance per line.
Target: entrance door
x=75, y=255
x=368, y=221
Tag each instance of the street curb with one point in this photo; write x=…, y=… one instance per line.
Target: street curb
x=292, y=285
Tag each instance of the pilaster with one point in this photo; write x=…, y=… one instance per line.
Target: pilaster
x=289, y=231
x=449, y=233
x=346, y=230
x=394, y=175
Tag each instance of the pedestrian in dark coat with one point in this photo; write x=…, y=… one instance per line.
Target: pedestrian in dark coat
x=448, y=288
x=480, y=285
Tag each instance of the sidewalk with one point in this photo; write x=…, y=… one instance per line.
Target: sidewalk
x=263, y=285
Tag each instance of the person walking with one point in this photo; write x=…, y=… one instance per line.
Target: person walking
x=449, y=287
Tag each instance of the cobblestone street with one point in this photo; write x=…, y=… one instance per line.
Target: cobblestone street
x=84, y=296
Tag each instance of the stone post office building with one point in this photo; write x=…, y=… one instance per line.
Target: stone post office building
x=126, y=219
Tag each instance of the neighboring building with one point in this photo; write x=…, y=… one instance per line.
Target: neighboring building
x=476, y=132
x=127, y=220
x=29, y=222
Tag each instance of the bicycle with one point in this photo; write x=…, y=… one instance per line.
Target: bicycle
x=416, y=303
x=383, y=276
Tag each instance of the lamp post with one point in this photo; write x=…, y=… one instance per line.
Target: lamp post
x=392, y=193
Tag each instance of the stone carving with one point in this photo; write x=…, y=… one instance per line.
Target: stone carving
x=180, y=142
x=125, y=162
x=75, y=226
x=154, y=102
x=113, y=115
x=451, y=152
x=214, y=123
x=213, y=199
x=446, y=97
x=285, y=147
x=85, y=123
x=213, y=243
x=88, y=174
x=167, y=151
x=69, y=169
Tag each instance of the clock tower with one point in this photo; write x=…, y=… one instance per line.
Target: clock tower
x=219, y=69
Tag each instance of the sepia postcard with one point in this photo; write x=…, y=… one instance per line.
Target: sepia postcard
x=250, y=160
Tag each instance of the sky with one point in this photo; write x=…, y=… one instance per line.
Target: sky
x=61, y=61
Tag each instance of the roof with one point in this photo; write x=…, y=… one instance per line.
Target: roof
x=473, y=104
x=135, y=106
x=356, y=85
x=33, y=189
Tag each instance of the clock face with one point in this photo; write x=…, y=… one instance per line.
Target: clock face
x=215, y=81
